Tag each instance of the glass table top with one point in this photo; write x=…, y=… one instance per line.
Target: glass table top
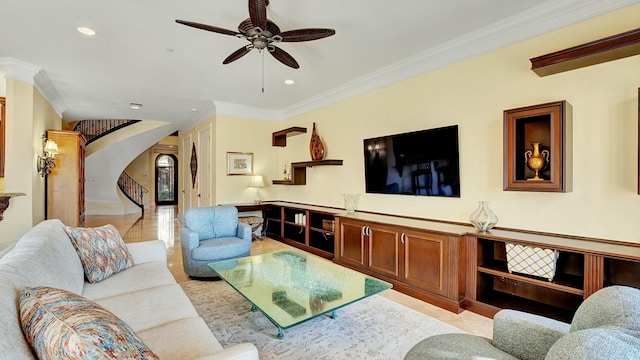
x=290, y=286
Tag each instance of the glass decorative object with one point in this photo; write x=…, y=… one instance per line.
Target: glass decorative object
x=351, y=202
x=482, y=218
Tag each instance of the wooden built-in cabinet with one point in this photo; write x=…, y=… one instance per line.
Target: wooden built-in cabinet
x=583, y=267
x=65, y=184
x=453, y=266
x=311, y=234
x=420, y=262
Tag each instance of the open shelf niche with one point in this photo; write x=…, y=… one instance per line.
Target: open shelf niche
x=279, y=138
x=299, y=171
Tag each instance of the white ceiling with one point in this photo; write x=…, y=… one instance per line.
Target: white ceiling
x=141, y=55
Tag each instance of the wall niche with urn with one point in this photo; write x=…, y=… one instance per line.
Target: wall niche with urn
x=537, y=146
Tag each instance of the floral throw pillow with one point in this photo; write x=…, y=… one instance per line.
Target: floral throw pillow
x=101, y=250
x=59, y=324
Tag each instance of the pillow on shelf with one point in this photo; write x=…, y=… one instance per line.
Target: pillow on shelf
x=101, y=250
x=59, y=324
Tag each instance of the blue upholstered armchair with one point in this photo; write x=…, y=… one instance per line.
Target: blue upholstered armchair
x=212, y=234
x=605, y=326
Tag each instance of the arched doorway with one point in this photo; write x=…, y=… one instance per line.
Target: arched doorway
x=166, y=180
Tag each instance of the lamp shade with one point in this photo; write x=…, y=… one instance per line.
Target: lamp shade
x=257, y=181
x=50, y=147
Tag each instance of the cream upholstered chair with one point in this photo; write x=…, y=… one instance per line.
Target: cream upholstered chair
x=605, y=326
x=212, y=234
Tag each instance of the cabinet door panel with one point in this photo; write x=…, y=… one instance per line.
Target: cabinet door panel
x=424, y=264
x=384, y=251
x=351, y=246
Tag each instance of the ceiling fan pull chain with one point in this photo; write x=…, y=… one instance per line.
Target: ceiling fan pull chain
x=262, y=71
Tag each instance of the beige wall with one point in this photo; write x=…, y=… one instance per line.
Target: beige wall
x=250, y=136
x=29, y=116
x=473, y=94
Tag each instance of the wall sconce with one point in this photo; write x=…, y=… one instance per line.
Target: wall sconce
x=47, y=161
x=257, y=181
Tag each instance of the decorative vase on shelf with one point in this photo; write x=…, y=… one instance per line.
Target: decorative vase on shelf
x=536, y=160
x=315, y=146
x=482, y=218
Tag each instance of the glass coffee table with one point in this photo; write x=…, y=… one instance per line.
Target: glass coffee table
x=290, y=287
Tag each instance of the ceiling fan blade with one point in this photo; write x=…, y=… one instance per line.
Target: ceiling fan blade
x=284, y=57
x=306, y=34
x=236, y=55
x=258, y=13
x=208, y=27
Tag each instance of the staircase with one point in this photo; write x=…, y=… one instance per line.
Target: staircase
x=96, y=129
x=132, y=189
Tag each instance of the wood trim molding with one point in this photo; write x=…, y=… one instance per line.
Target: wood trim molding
x=595, y=52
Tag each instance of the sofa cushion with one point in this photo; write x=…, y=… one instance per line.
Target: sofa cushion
x=221, y=249
x=188, y=338
x=225, y=221
x=610, y=306
x=597, y=343
x=152, y=307
x=210, y=222
x=101, y=250
x=138, y=277
x=59, y=324
x=449, y=347
x=13, y=345
x=44, y=256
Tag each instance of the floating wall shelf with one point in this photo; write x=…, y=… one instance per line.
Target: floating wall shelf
x=299, y=171
x=279, y=138
x=607, y=49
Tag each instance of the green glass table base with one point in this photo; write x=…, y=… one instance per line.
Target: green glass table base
x=290, y=287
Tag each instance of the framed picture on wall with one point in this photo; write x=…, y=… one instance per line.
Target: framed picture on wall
x=239, y=163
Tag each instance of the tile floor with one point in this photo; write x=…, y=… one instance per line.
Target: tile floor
x=162, y=223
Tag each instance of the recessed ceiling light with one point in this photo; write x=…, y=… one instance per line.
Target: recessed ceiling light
x=289, y=82
x=86, y=31
x=136, y=106
x=194, y=109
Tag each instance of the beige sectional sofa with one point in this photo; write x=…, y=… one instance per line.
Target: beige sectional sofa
x=145, y=296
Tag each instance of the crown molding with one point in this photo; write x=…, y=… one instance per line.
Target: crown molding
x=18, y=69
x=232, y=109
x=198, y=118
x=46, y=88
x=544, y=18
x=34, y=75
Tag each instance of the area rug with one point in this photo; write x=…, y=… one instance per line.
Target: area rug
x=373, y=328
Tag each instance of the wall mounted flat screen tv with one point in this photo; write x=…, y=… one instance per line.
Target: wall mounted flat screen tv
x=424, y=163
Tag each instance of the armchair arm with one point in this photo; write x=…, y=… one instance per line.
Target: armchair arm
x=244, y=231
x=189, y=238
x=526, y=336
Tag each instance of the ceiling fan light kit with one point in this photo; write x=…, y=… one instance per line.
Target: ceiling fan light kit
x=263, y=33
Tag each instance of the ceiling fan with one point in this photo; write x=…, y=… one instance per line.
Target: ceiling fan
x=263, y=33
